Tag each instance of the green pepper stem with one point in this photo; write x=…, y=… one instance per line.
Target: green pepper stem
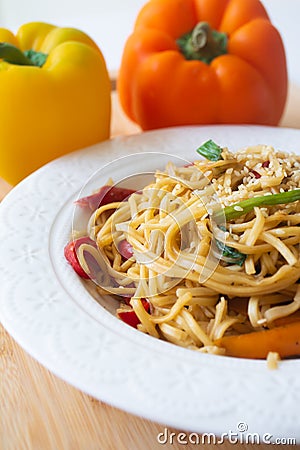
x=13, y=55
x=245, y=206
x=203, y=43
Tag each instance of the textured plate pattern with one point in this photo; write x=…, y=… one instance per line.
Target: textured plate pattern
x=49, y=311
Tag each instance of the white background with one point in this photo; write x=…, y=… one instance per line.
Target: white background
x=109, y=22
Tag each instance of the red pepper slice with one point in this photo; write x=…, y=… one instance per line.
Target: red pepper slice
x=265, y=164
x=105, y=195
x=70, y=252
x=256, y=174
x=130, y=317
x=125, y=248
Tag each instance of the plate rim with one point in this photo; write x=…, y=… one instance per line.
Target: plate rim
x=41, y=176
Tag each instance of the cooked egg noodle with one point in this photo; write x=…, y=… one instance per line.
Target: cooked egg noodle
x=170, y=230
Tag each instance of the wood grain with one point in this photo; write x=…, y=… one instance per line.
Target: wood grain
x=38, y=411
x=41, y=412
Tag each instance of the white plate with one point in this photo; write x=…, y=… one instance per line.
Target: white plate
x=47, y=309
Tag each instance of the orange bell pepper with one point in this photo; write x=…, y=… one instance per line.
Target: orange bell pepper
x=285, y=340
x=203, y=62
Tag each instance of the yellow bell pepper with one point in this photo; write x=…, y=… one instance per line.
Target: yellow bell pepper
x=55, y=96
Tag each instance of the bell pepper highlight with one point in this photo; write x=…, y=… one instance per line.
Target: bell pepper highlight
x=203, y=43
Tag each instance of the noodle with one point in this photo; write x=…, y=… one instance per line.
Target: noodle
x=193, y=269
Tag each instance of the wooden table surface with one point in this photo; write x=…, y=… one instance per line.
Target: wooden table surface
x=38, y=411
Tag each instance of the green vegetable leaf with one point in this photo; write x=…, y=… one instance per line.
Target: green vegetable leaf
x=210, y=150
x=233, y=255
